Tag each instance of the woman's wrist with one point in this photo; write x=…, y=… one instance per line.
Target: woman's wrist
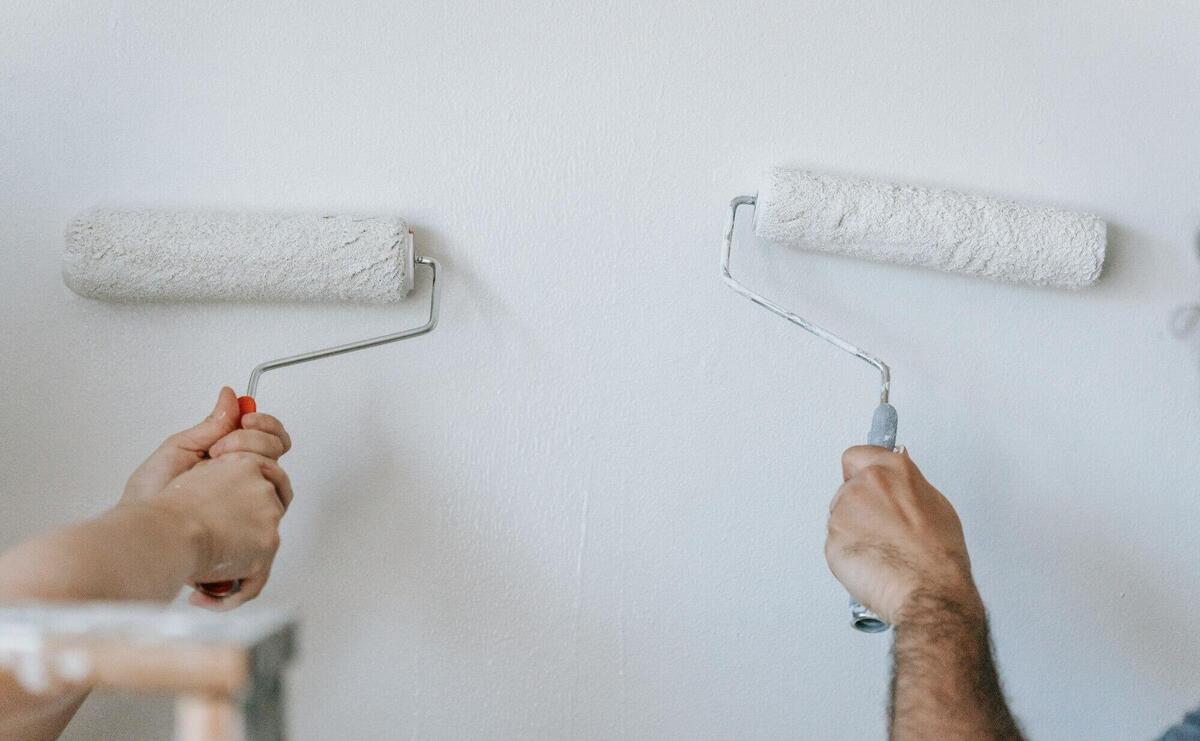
x=175, y=526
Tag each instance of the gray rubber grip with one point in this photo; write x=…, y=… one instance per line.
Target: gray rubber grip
x=883, y=435
x=883, y=427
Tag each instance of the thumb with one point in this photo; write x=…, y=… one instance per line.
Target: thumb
x=224, y=419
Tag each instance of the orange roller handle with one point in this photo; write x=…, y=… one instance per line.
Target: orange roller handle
x=220, y=589
x=223, y=589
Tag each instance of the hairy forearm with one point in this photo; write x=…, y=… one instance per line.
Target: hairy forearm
x=945, y=685
x=132, y=552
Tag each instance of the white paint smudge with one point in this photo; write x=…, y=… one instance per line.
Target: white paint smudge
x=21, y=651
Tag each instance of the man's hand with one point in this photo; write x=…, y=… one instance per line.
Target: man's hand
x=897, y=545
x=894, y=539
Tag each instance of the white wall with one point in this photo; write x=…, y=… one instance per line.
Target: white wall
x=592, y=504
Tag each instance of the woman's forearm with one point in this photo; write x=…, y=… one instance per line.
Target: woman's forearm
x=204, y=506
x=132, y=552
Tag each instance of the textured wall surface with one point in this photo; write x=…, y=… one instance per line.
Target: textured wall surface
x=592, y=504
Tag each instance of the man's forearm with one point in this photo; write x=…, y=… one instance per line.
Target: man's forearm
x=132, y=552
x=944, y=684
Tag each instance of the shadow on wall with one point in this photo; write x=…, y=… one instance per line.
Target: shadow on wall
x=1157, y=646
x=382, y=487
x=468, y=299
x=412, y=569
x=1150, y=633
x=1119, y=273
x=472, y=292
x=1185, y=319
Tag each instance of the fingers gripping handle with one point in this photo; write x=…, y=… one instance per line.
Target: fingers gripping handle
x=883, y=435
x=223, y=589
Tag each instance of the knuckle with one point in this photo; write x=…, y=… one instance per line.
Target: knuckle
x=269, y=540
x=839, y=498
x=222, y=446
x=250, y=460
x=264, y=422
x=876, y=475
x=241, y=465
x=836, y=520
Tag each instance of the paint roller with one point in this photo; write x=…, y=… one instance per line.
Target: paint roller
x=166, y=256
x=908, y=225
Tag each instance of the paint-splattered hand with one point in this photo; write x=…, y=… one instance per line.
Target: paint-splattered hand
x=893, y=539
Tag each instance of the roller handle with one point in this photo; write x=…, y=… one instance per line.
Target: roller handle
x=223, y=589
x=883, y=435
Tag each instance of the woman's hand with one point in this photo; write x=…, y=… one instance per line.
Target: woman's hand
x=224, y=434
x=231, y=506
x=223, y=431
x=203, y=507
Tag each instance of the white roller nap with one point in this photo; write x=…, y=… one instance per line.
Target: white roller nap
x=938, y=229
x=207, y=256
